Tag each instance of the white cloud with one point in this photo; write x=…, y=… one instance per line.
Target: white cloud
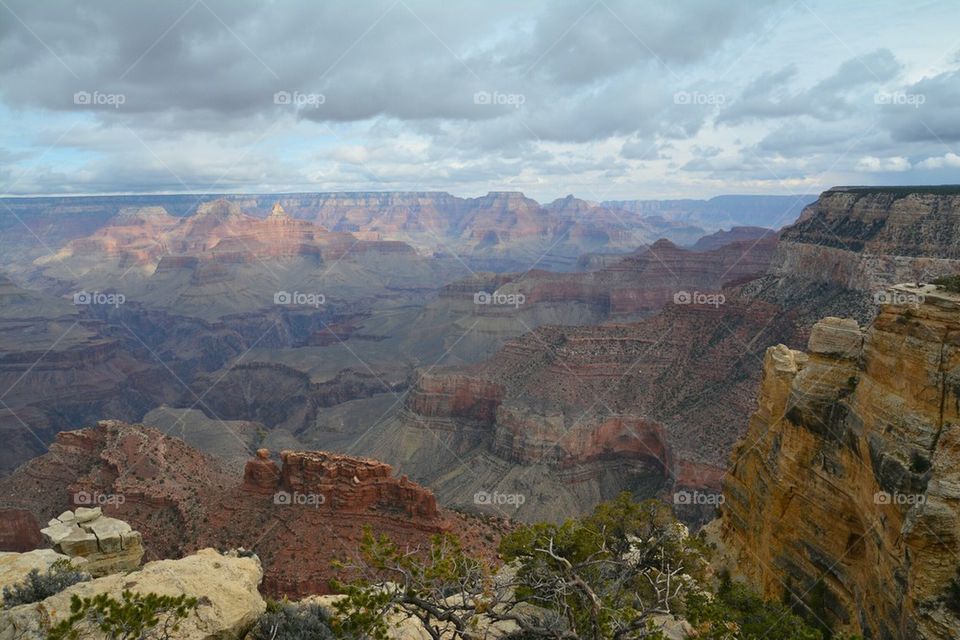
x=950, y=160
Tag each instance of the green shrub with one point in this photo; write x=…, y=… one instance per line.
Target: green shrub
x=135, y=617
x=950, y=283
x=285, y=621
x=737, y=612
x=40, y=586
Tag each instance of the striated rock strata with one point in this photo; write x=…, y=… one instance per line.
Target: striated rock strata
x=100, y=545
x=845, y=492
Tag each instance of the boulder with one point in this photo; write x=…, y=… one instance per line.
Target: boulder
x=105, y=545
x=225, y=585
x=14, y=567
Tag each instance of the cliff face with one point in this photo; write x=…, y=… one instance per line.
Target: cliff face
x=845, y=491
x=869, y=238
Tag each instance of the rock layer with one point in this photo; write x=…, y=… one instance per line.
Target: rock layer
x=98, y=544
x=844, y=492
x=297, y=516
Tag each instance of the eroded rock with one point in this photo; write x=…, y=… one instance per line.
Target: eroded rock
x=226, y=586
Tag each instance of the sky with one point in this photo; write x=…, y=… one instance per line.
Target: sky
x=611, y=99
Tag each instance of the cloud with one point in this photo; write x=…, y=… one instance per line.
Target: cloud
x=837, y=96
x=873, y=164
x=630, y=95
x=950, y=160
x=925, y=110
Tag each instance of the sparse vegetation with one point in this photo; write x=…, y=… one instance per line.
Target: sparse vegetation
x=134, y=617
x=950, y=283
x=286, y=621
x=611, y=574
x=737, y=613
x=38, y=586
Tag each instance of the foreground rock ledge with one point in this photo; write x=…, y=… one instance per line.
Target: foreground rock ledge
x=225, y=584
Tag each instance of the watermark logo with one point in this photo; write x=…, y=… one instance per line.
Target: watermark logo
x=88, y=298
x=698, y=498
x=285, y=498
x=97, y=99
x=299, y=99
x=97, y=499
x=298, y=299
x=497, y=298
x=898, y=297
x=495, y=499
x=698, y=297
x=699, y=98
x=496, y=98
x=900, y=99
x=900, y=499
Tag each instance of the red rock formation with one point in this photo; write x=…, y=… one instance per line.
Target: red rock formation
x=298, y=518
x=261, y=475
x=218, y=232
x=19, y=531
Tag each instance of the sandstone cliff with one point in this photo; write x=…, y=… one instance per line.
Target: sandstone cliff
x=844, y=492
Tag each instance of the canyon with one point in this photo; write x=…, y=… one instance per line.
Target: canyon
x=298, y=516
x=684, y=376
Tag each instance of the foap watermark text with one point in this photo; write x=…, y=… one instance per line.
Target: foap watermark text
x=97, y=499
x=499, y=299
x=287, y=498
x=299, y=299
x=698, y=297
x=496, y=499
x=698, y=498
x=88, y=298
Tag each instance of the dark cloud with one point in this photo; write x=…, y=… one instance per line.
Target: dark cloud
x=415, y=93
x=846, y=91
x=925, y=111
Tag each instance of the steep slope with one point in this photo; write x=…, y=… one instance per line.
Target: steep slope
x=626, y=288
x=58, y=366
x=866, y=238
x=568, y=416
x=697, y=386
x=844, y=492
x=297, y=516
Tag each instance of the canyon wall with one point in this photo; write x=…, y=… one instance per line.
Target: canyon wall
x=844, y=495
x=868, y=238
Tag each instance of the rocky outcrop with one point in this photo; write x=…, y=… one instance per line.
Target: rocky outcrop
x=14, y=567
x=344, y=484
x=96, y=543
x=844, y=492
x=225, y=585
x=297, y=516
